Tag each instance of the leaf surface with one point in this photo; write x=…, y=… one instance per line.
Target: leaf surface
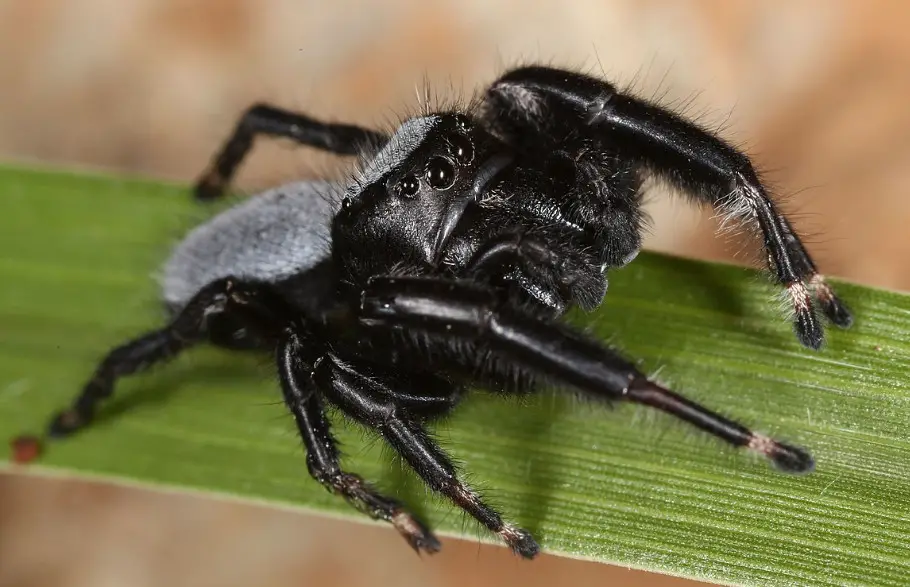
x=78, y=256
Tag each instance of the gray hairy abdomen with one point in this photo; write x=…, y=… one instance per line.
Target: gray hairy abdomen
x=267, y=237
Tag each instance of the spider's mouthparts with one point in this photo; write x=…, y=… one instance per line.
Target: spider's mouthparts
x=456, y=209
x=488, y=171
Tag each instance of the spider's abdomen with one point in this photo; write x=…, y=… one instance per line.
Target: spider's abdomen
x=268, y=237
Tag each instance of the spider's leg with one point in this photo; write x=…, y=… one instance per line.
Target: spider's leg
x=262, y=119
x=461, y=310
x=544, y=102
x=186, y=329
x=365, y=399
x=323, y=455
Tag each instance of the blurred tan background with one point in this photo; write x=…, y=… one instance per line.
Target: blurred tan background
x=816, y=90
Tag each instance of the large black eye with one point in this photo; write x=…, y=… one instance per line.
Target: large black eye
x=461, y=148
x=408, y=186
x=440, y=173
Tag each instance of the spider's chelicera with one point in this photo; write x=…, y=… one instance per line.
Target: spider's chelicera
x=447, y=264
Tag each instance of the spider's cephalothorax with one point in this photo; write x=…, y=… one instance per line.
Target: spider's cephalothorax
x=446, y=263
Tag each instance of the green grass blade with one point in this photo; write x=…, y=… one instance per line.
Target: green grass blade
x=77, y=260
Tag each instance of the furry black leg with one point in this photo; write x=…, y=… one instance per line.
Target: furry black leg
x=323, y=459
x=187, y=328
x=262, y=119
x=365, y=399
x=444, y=311
x=535, y=104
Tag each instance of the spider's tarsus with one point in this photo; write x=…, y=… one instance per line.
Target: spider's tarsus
x=808, y=328
x=787, y=458
x=836, y=311
x=520, y=541
x=417, y=535
x=427, y=543
x=792, y=459
x=65, y=423
x=209, y=187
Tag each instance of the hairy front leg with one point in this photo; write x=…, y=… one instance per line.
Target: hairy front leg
x=542, y=104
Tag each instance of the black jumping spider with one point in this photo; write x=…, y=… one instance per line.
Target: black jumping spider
x=446, y=264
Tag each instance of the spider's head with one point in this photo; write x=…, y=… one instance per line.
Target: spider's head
x=412, y=193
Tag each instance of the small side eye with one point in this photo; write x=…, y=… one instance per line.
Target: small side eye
x=346, y=203
x=408, y=186
x=440, y=173
x=461, y=148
